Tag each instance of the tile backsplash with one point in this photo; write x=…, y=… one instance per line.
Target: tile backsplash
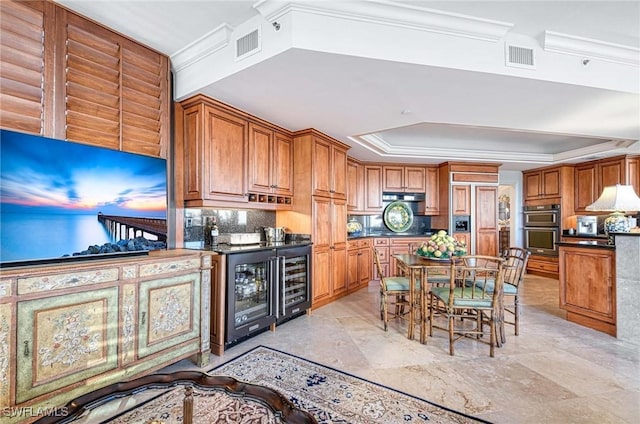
x=229, y=221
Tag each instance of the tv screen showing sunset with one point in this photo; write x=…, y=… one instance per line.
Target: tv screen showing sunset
x=51, y=193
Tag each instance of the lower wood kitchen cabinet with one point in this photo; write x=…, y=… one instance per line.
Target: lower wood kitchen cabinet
x=68, y=329
x=588, y=286
x=359, y=264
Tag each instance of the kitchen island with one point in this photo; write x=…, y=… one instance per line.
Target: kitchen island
x=599, y=283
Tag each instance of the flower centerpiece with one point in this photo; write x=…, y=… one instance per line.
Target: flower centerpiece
x=442, y=246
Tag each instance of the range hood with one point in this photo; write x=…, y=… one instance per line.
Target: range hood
x=405, y=197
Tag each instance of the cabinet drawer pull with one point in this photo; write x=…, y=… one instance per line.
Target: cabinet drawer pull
x=144, y=318
x=26, y=348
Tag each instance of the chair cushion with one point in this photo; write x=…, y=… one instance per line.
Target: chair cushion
x=508, y=289
x=399, y=283
x=479, y=301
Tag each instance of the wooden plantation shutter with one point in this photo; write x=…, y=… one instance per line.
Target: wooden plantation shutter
x=116, y=91
x=145, y=108
x=22, y=66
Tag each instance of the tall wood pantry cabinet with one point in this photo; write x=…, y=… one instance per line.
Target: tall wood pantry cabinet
x=320, y=208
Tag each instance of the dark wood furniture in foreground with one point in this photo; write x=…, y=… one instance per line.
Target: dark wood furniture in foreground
x=281, y=407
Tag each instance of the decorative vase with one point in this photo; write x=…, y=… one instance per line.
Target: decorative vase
x=615, y=223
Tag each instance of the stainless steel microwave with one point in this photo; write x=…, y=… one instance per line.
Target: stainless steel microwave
x=542, y=216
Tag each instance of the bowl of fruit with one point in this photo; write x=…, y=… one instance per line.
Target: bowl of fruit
x=442, y=246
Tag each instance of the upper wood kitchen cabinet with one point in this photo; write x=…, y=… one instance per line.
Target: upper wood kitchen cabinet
x=410, y=179
x=355, y=186
x=592, y=177
x=548, y=185
x=373, y=188
x=213, y=148
x=69, y=78
x=329, y=168
x=270, y=161
x=431, y=198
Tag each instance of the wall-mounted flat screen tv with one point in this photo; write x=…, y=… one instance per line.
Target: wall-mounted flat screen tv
x=61, y=200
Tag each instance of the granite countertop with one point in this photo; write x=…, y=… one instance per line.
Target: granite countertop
x=391, y=234
x=588, y=244
x=226, y=249
x=583, y=236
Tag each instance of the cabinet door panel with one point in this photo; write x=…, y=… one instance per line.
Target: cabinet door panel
x=260, y=160
x=586, y=190
x=64, y=339
x=339, y=269
x=532, y=185
x=461, y=200
x=587, y=283
x=169, y=313
x=393, y=178
x=373, y=183
x=414, y=179
x=225, y=152
x=611, y=173
x=551, y=182
x=283, y=164
x=339, y=174
x=322, y=228
x=321, y=273
x=364, y=265
x=355, y=186
x=432, y=199
x=486, y=221
x=322, y=167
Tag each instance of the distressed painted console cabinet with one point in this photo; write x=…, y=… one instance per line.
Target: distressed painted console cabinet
x=68, y=329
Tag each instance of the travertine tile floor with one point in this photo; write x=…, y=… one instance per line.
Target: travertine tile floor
x=553, y=372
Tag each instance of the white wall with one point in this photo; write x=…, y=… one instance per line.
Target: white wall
x=513, y=179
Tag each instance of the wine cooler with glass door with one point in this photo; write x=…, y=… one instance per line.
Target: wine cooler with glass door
x=265, y=288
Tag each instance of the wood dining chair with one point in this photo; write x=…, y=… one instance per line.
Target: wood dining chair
x=394, y=292
x=464, y=307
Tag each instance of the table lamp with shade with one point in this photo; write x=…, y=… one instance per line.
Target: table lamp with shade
x=616, y=199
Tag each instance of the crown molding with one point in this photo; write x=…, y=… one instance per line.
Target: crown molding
x=587, y=47
x=380, y=147
x=393, y=14
x=211, y=42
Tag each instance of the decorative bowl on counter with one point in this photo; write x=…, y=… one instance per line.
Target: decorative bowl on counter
x=354, y=228
x=442, y=246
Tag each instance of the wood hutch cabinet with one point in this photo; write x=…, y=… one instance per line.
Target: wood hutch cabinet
x=102, y=322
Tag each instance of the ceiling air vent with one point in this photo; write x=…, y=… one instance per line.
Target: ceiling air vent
x=248, y=44
x=520, y=57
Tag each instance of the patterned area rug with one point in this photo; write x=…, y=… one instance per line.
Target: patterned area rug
x=332, y=396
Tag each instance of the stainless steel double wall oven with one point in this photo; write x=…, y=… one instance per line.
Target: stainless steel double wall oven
x=542, y=229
